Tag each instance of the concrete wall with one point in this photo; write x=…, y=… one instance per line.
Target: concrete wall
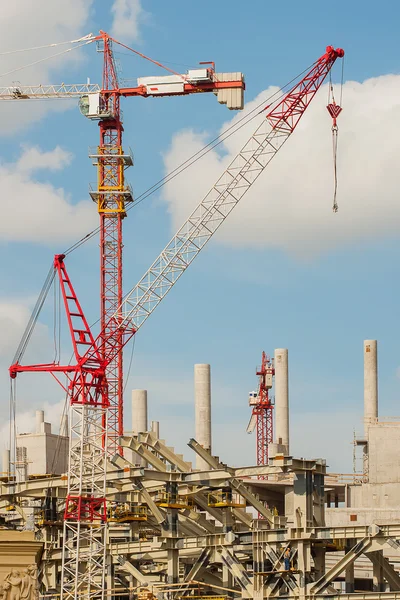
x=46, y=453
x=384, y=458
x=373, y=495
x=340, y=517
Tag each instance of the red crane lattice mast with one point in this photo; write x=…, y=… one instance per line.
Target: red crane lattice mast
x=113, y=196
x=262, y=410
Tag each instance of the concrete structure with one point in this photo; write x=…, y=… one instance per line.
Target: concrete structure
x=39, y=420
x=370, y=383
x=228, y=526
x=6, y=463
x=282, y=398
x=155, y=428
x=19, y=550
x=139, y=419
x=42, y=452
x=202, y=404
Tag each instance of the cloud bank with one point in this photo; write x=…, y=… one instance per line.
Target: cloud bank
x=37, y=211
x=290, y=206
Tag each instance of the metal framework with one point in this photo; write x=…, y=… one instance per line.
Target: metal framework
x=85, y=517
x=85, y=520
x=263, y=411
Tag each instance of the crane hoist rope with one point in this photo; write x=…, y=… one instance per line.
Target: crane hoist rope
x=334, y=110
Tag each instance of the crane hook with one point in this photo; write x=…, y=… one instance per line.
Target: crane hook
x=334, y=110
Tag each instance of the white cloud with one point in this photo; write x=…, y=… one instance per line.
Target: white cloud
x=14, y=316
x=289, y=207
x=33, y=159
x=53, y=22
x=36, y=211
x=25, y=421
x=127, y=17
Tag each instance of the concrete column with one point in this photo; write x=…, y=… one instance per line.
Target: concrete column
x=39, y=420
x=6, y=461
x=282, y=398
x=349, y=579
x=155, y=428
x=202, y=408
x=139, y=418
x=139, y=411
x=370, y=383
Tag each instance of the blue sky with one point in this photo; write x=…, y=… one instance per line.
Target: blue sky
x=285, y=273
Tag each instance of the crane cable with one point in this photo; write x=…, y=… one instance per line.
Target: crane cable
x=219, y=139
x=36, y=62
x=334, y=110
x=87, y=37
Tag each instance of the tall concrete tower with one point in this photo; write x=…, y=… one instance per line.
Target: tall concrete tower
x=202, y=400
x=370, y=383
x=281, y=364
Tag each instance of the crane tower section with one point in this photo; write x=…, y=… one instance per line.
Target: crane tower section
x=262, y=409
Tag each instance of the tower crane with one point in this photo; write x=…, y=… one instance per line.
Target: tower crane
x=112, y=195
x=262, y=410
x=85, y=521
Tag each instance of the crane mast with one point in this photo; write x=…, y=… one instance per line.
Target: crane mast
x=112, y=197
x=89, y=391
x=262, y=411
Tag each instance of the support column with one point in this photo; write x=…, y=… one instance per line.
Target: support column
x=377, y=574
x=6, y=463
x=170, y=533
x=349, y=572
x=281, y=364
x=370, y=384
x=155, y=428
x=202, y=399
x=139, y=418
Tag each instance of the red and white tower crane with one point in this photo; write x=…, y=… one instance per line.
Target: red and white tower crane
x=262, y=410
x=85, y=520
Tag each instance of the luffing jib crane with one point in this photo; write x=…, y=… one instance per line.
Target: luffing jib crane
x=85, y=519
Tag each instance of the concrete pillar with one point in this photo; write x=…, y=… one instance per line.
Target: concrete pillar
x=155, y=428
x=349, y=579
x=6, y=462
x=139, y=411
x=139, y=418
x=370, y=383
x=39, y=420
x=202, y=408
x=282, y=398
